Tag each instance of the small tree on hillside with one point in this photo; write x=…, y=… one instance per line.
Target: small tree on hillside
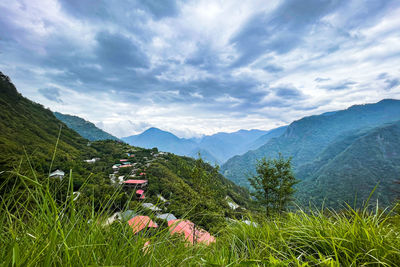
x=273, y=184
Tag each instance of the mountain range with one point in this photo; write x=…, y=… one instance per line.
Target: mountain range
x=215, y=148
x=335, y=155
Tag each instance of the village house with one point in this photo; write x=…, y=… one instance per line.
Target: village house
x=136, y=184
x=139, y=223
x=57, y=174
x=231, y=203
x=125, y=166
x=166, y=216
x=151, y=206
x=93, y=160
x=115, y=167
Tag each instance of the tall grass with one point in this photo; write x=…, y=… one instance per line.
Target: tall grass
x=37, y=230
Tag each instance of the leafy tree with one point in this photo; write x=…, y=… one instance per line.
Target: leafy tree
x=273, y=184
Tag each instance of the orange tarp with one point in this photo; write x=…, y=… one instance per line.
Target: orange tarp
x=191, y=233
x=138, y=223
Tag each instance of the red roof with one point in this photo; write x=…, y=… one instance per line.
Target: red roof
x=138, y=223
x=141, y=193
x=191, y=234
x=131, y=156
x=135, y=181
x=125, y=166
x=123, y=160
x=142, y=173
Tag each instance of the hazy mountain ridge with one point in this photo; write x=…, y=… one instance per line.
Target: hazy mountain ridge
x=266, y=137
x=318, y=139
x=215, y=148
x=85, y=128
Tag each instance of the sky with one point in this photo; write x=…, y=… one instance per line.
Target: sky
x=200, y=67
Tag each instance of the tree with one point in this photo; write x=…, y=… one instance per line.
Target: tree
x=273, y=184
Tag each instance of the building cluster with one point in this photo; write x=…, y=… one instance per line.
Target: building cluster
x=133, y=179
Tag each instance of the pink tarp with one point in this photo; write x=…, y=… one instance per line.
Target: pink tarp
x=192, y=234
x=135, y=181
x=138, y=223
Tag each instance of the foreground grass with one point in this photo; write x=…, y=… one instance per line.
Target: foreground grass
x=37, y=230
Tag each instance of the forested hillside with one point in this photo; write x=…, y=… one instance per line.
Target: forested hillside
x=305, y=139
x=350, y=168
x=30, y=134
x=27, y=128
x=85, y=128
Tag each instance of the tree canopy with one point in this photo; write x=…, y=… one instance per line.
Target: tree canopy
x=273, y=184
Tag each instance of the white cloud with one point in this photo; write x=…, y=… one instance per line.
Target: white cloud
x=190, y=86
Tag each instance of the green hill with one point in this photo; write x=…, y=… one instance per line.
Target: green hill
x=350, y=168
x=85, y=128
x=29, y=127
x=28, y=139
x=305, y=139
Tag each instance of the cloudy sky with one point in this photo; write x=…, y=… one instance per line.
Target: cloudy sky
x=199, y=67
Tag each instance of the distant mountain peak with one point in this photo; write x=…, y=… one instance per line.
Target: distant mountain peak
x=154, y=130
x=389, y=100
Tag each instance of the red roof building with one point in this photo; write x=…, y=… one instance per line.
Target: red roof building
x=191, y=233
x=138, y=223
x=142, y=173
x=123, y=160
x=136, y=183
x=125, y=166
x=140, y=194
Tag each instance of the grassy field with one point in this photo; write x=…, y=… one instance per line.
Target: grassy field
x=38, y=230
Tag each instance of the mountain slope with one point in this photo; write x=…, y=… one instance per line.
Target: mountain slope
x=306, y=138
x=85, y=128
x=351, y=167
x=27, y=127
x=266, y=137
